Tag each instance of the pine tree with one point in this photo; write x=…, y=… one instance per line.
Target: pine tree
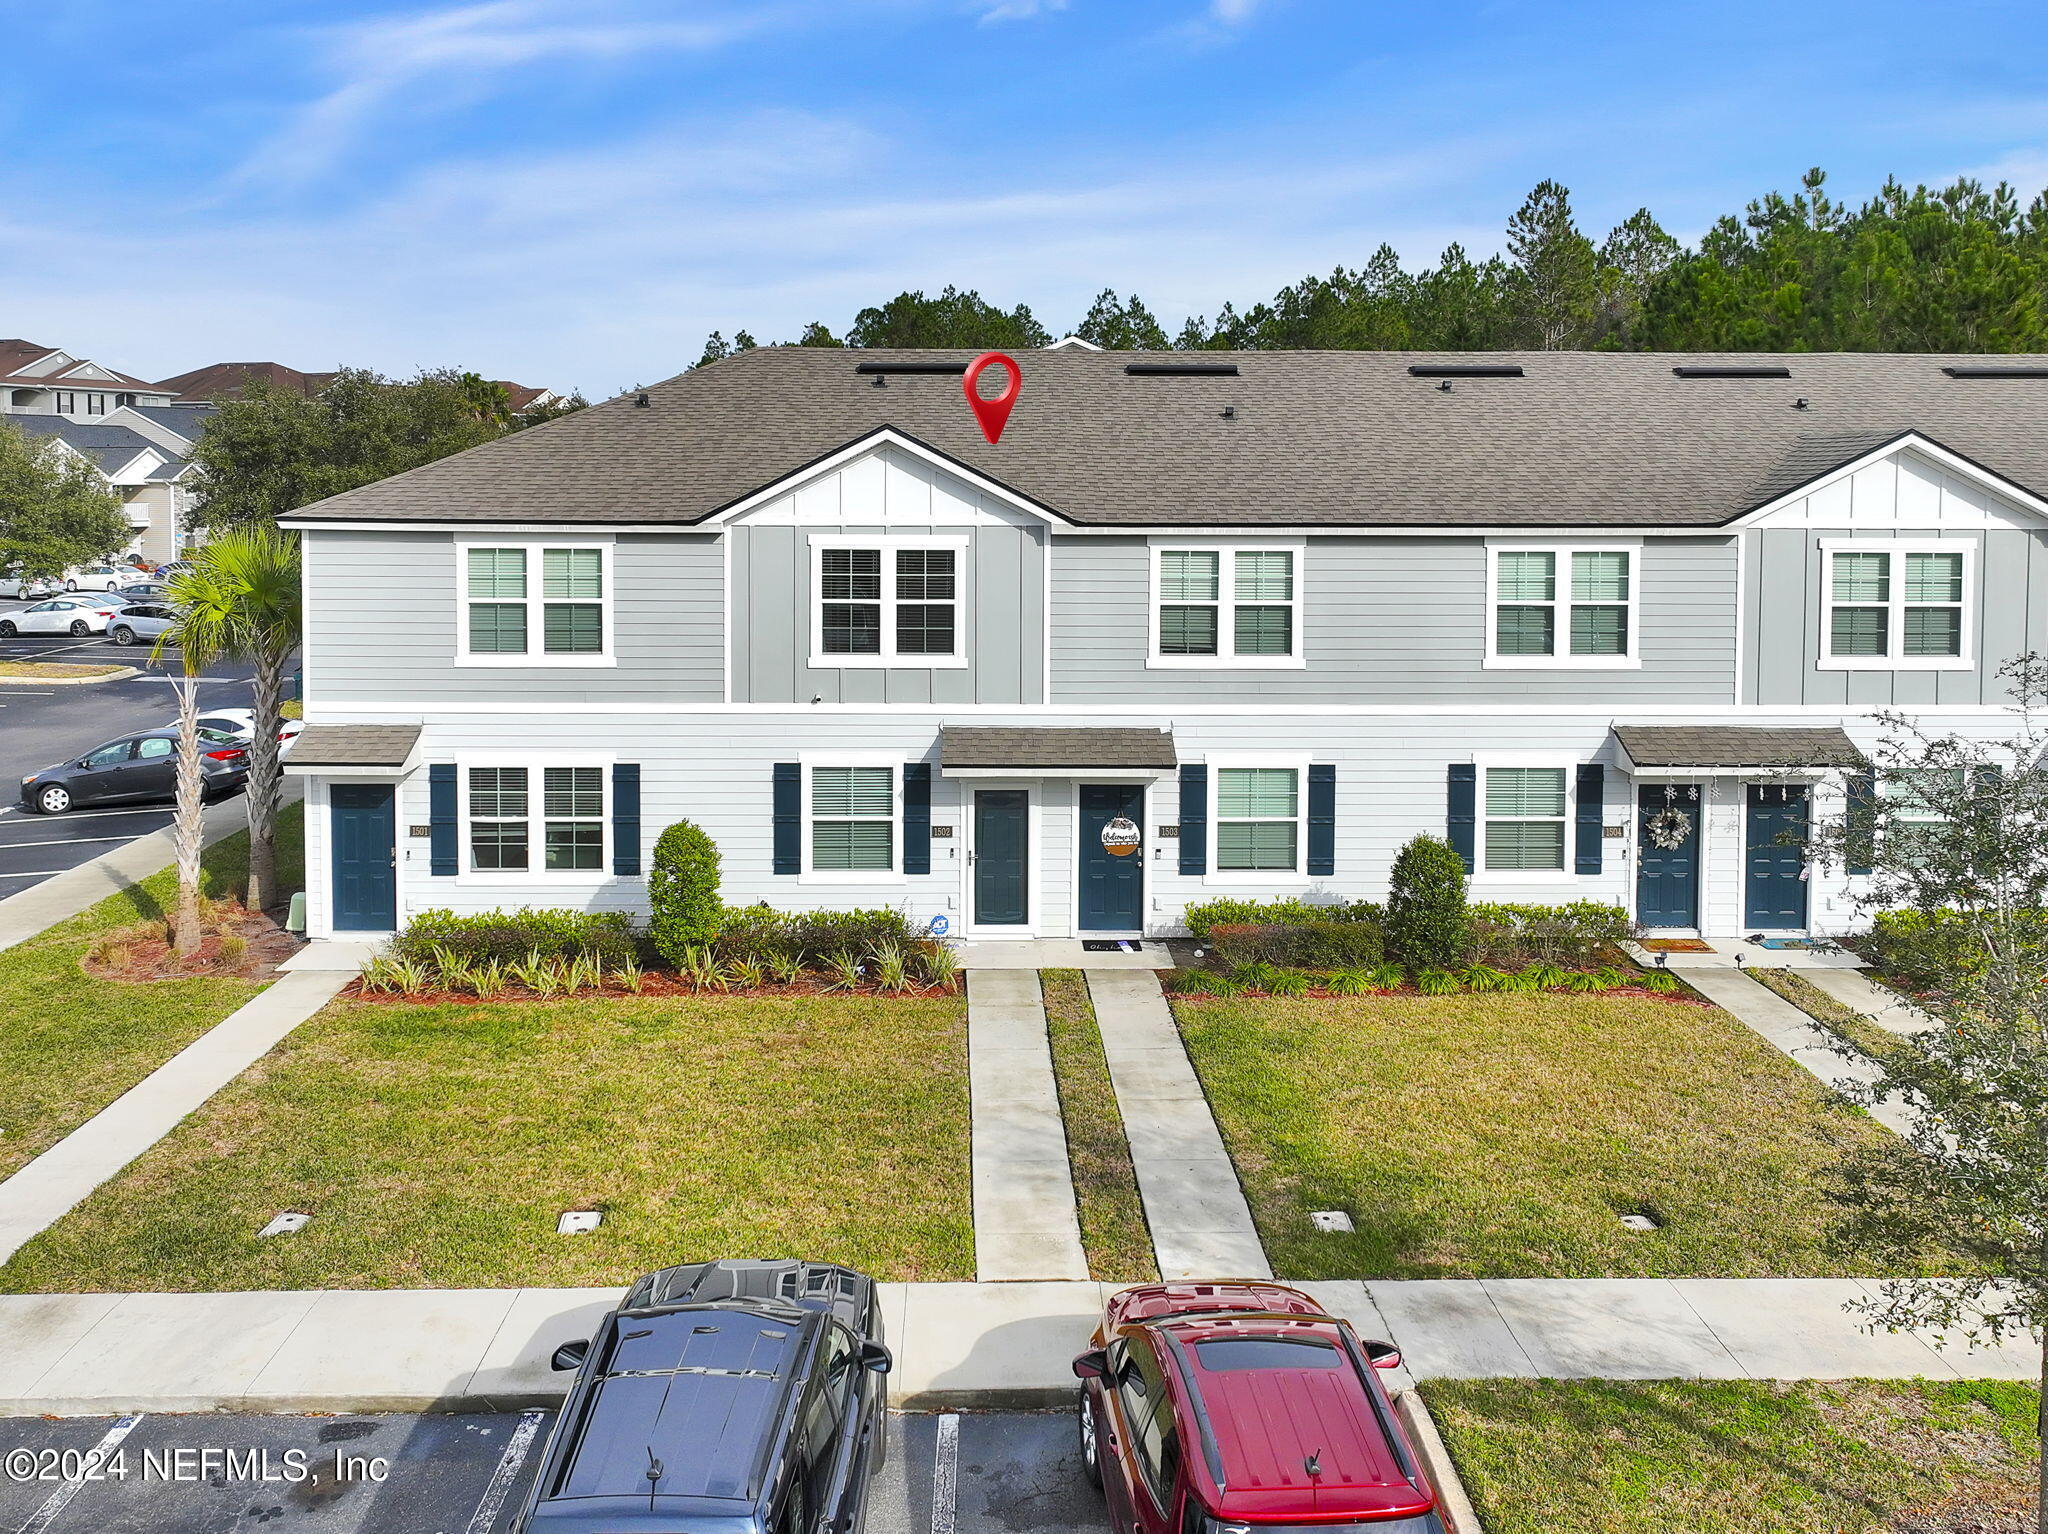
x=1119, y=326
x=1556, y=271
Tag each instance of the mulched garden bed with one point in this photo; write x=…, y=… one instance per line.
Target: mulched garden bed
x=141, y=954
x=1318, y=993
x=655, y=985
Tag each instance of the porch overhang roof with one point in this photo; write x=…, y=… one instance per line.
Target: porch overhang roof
x=374, y=749
x=991, y=750
x=1734, y=748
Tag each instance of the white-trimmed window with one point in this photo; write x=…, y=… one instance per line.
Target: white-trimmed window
x=1556, y=605
x=887, y=601
x=534, y=604
x=1895, y=606
x=1525, y=813
x=1259, y=819
x=1226, y=606
x=850, y=826
x=524, y=820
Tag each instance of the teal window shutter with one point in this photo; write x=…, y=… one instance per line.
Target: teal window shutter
x=1860, y=840
x=788, y=818
x=625, y=817
x=1462, y=803
x=1591, y=805
x=917, y=817
x=441, y=819
x=1194, y=818
x=1322, y=820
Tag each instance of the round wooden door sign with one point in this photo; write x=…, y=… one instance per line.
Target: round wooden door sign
x=1120, y=837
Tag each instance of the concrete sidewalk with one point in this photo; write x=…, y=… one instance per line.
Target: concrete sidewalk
x=1025, y=1224
x=51, y=1186
x=985, y=1345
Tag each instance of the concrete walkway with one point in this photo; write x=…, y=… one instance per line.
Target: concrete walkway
x=955, y=1344
x=1882, y=1005
x=1025, y=1226
x=1787, y=1029
x=53, y=1184
x=1201, y=1225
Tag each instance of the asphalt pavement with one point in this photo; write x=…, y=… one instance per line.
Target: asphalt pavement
x=964, y=1473
x=41, y=726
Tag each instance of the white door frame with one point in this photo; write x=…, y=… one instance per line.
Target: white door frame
x=1034, y=886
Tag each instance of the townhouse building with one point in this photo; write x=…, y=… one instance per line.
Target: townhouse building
x=1196, y=625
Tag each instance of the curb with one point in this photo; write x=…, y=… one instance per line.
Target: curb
x=119, y=674
x=1453, y=1505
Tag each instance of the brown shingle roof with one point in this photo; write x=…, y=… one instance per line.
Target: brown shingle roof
x=17, y=354
x=227, y=380
x=1029, y=749
x=354, y=745
x=1686, y=745
x=1335, y=438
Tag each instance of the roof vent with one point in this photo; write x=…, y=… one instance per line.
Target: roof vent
x=1987, y=370
x=1464, y=370
x=910, y=367
x=1733, y=370
x=1181, y=369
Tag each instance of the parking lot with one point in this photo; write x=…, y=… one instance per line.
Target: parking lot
x=44, y=725
x=966, y=1473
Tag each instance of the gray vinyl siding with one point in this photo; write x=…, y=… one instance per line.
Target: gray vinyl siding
x=382, y=609
x=1002, y=591
x=1783, y=601
x=1392, y=620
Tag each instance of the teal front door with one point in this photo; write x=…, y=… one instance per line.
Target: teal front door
x=364, y=853
x=1112, y=886
x=1774, y=883
x=1668, y=856
x=1002, y=857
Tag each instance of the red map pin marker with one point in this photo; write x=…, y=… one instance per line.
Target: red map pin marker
x=993, y=414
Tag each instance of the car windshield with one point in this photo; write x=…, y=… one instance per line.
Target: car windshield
x=1231, y=1355
x=216, y=737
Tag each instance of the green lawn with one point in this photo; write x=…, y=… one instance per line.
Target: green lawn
x=1503, y=1136
x=435, y=1146
x=1113, y=1228
x=1741, y=1457
x=72, y=1044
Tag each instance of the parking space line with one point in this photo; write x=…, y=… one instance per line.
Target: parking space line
x=500, y=1486
x=35, y=873
x=70, y=815
x=68, y=841
x=96, y=1456
x=945, y=1474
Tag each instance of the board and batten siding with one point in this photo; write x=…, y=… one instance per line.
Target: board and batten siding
x=1002, y=616
x=1391, y=620
x=382, y=609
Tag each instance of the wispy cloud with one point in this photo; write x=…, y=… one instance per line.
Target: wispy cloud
x=375, y=65
x=1017, y=10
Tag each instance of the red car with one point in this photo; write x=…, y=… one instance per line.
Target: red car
x=1242, y=1408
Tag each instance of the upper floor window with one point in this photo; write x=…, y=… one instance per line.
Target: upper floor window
x=124, y=399
x=887, y=601
x=1895, y=606
x=95, y=404
x=67, y=402
x=563, y=824
x=534, y=604
x=1526, y=811
x=1226, y=607
x=1561, y=606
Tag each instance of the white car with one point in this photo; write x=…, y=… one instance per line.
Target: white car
x=77, y=616
x=241, y=723
x=101, y=577
x=26, y=588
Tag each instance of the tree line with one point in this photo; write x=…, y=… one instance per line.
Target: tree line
x=1958, y=269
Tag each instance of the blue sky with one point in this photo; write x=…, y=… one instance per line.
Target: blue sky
x=572, y=192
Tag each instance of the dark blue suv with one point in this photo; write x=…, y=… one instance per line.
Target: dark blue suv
x=732, y=1397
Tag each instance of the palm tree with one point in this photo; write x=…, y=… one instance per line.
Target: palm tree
x=195, y=654
x=240, y=600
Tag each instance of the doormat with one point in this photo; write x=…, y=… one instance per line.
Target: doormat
x=1783, y=942
x=1677, y=945
x=1110, y=945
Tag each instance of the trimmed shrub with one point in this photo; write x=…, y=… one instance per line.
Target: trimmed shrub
x=1205, y=916
x=682, y=889
x=1427, y=926
x=511, y=937
x=1308, y=945
x=1930, y=950
x=1510, y=936
x=810, y=939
